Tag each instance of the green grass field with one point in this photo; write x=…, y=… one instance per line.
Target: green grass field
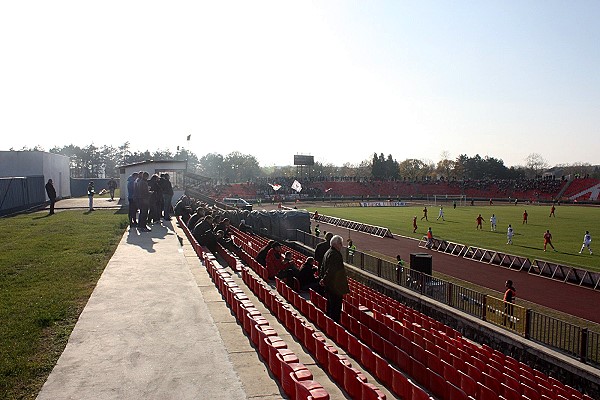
x=567, y=228
x=49, y=267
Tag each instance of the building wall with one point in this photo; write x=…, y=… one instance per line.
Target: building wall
x=38, y=163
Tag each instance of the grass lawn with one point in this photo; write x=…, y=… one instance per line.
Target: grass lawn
x=49, y=267
x=459, y=226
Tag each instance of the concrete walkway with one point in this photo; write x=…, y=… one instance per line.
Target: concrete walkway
x=147, y=331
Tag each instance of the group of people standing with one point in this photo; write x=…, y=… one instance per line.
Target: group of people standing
x=149, y=199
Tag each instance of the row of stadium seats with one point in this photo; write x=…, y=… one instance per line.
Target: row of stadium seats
x=294, y=377
x=418, y=347
x=479, y=371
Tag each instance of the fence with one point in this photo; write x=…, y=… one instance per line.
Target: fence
x=21, y=193
x=570, y=339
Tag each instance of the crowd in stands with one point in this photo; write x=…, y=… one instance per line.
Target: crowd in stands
x=527, y=189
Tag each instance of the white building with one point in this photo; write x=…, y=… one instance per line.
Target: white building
x=36, y=164
x=175, y=169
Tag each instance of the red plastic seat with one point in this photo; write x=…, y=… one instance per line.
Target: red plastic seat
x=371, y=392
x=400, y=385
x=420, y=373
x=354, y=347
x=468, y=384
x=383, y=370
x=353, y=380
x=308, y=389
x=367, y=357
x=437, y=384
x=455, y=393
x=277, y=356
x=336, y=366
x=485, y=393
x=299, y=372
x=509, y=393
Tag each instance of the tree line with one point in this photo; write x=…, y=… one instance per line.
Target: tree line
x=93, y=162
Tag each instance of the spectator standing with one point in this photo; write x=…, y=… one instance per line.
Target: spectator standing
x=429, y=238
x=142, y=198
x=51, y=192
x=509, y=234
x=587, y=241
x=334, y=279
x=509, y=298
x=90, y=193
x=112, y=186
x=548, y=240
x=155, y=199
x=167, y=192
x=351, y=251
x=321, y=249
x=130, y=200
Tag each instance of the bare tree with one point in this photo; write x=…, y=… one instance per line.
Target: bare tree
x=536, y=163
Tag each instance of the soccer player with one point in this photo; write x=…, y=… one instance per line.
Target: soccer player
x=493, y=222
x=441, y=214
x=587, y=240
x=414, y=224
x=552, y=211
x=479, y=222
x=424, y=214
x=525, y=217
x=548, y=240
x=509, y=234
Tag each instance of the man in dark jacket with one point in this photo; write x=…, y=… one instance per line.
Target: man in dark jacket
x=167, y=193
x=334, y=278
x=320, y=251
x=130, y=193
x=142, y=199
x=51, y=192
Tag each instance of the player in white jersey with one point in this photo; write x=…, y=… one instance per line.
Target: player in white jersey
x=587, y=240
x=509, y=234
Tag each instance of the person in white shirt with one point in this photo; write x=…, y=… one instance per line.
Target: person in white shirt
x=509, y=234
x=441, y=214
x=587, y=240
x=493, y=222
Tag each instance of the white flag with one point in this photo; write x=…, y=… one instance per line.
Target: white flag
x=275, y=187
x=297, y=186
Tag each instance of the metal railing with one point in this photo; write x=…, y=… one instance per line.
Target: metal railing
x=568, y=338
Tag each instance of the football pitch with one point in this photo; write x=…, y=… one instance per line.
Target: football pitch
x=567, y=228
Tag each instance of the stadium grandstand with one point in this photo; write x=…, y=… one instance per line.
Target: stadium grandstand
x=534, y=190
x=388, y=331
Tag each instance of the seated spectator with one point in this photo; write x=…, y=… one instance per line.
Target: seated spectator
x=224, y=226
x=195, y=218
x=243, y=227
x=261, y=257
x=226, y=242
x=275, y=262
x=307, y=275
x=289, y=269
x=183, y=208
x=203, y=233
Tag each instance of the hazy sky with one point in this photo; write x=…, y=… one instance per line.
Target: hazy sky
x=339, y=80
